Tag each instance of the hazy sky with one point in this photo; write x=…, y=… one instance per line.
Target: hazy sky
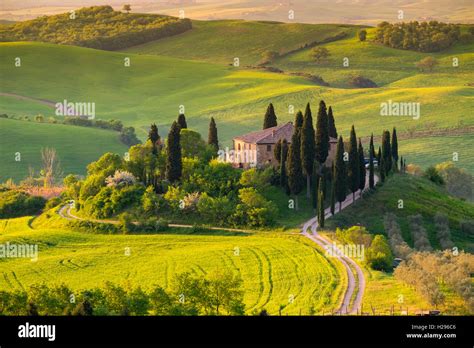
x=309, y=11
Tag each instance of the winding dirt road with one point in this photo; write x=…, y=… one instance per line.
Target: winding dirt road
x=355, y=275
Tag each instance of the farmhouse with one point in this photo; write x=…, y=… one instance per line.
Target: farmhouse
x=257, y=148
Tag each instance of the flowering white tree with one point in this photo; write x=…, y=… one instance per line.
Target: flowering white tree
x=120, y=178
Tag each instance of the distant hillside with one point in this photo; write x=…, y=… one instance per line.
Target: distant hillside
x=420, y=196
x=96, y=27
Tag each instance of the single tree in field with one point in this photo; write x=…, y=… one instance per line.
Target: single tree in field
x=322, y=134
x=321, y=203
x=353, y=172
x=294, y=170
x=154, y=137
x=212, y=138
x=173, y=154
x=333, y=194
x=371, y=162
x=127, y=8
x=298, y=120
x=320, y=53
x=362, y=34
x=361, y=168
x=283, y=160
x=332, y=131
x=386, y=152
x=394, y=149
x=307, y=147
x=277, y=150
x=182, y=121
x=270, y=119
x=340, y=179
x=51, y=167
x=269, y=56
x=427, y=63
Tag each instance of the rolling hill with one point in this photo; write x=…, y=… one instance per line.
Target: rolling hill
x=75, y=146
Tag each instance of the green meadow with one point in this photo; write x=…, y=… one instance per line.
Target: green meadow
x=276, y=269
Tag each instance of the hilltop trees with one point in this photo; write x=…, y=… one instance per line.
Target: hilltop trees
x=320, y=53
x=339, y=174
x=270, y=119
x=362, y=35
x=182, y=121
x=127, y=8
x=295, y=174
x=173, y=154
x=353, y=171
x=212, y=138
x=307, y=147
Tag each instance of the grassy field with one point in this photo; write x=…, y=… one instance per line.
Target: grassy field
x=75, y=146
x=274, y=268
x=430, y=150
x=420, y=196
x=222, y=41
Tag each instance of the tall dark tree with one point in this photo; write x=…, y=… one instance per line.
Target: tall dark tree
x=333, y=195
x=340, y=179
x=294, y=170
x=277, y=150
x=381, y=165
x=361, y=168
x=173, y=154
x=299, y=120
x=321, y=203
x=270, y=119
x=353, y=170
x=212, y=138
x=314, y=189
x=307, y=147
x=182, y=121
x=371, y=162
x=283, y=160
x=332, y=131
x=386, y=152
x=379, y=157
x=154, y=137
x=394, y=149
x=322, y=135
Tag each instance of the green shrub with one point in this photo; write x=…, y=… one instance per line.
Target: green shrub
x=16, y=203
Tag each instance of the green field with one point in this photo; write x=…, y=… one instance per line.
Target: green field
x=75, y=146
x=274, y=268
x=222, y=41
x=420, y=196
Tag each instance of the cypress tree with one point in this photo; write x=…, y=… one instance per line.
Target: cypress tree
x=361, y=168
x=212, y=138
x=371, y=163
x=314, y=190
x=395, y=149
x=353, y=172
x=283, y=159
x=321, y=203
x=294, y=170
x=379, y=158
x=298, y=120
x=307, y=147
x=154, y=137
x=322, y=136
x=333, y=195
x=381, y=166
x=332, y=131
x=173, y=154
x=386, y=152
x=340, y=179
x=277, y=151
x=270, y=119
x=182, y=121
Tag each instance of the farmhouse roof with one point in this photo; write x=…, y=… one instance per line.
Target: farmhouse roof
x=269, y=135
